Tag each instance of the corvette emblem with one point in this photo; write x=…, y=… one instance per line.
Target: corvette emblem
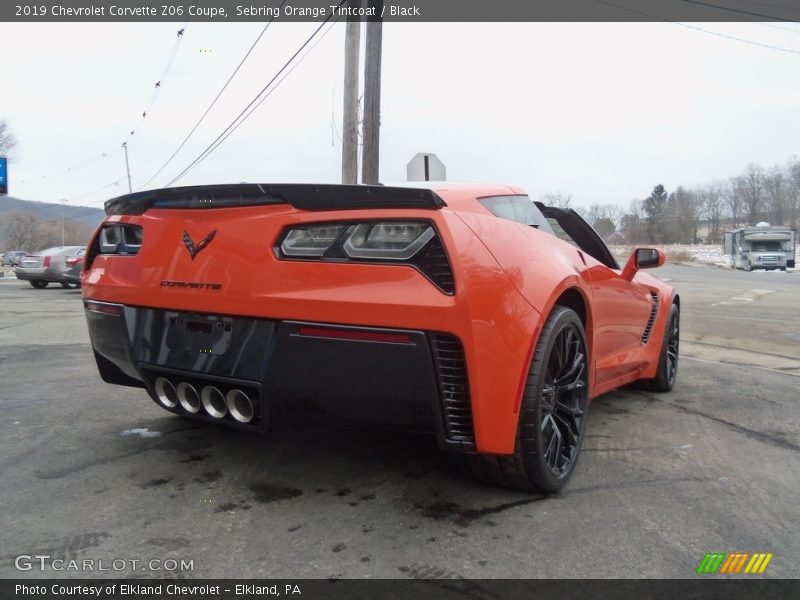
x=194, y=249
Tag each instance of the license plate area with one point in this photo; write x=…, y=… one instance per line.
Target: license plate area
x=204, y=334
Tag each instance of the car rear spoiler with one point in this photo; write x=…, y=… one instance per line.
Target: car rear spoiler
x=299, y=195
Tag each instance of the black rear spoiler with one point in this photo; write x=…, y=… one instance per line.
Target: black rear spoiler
x=299, y=195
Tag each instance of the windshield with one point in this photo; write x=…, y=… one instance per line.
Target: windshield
x=767, y=247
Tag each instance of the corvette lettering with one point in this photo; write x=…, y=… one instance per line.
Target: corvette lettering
x=195, y=285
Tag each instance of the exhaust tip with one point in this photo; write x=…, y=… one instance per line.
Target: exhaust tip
x=188, y=397
x=240, y=406
x=165, y=392
x=213, y=401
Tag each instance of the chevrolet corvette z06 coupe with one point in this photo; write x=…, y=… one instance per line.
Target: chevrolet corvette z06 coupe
x=468, y=310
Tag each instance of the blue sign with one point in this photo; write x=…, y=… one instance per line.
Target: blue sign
x=3, y=176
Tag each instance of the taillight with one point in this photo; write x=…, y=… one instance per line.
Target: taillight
x=390, y=241
x=378, y=240
x=414, y=243
x=122, y=239
x=311, y=241
x=46, y=262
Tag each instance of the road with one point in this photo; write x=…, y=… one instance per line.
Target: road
x=90, y=471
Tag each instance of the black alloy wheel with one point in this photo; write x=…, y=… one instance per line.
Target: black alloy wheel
x=667, y=372
x=563, y=400
x=552, y=415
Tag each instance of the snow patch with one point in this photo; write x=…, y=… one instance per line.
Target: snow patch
x=141, y=432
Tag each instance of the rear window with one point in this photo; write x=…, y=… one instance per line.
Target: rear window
x=516, y=208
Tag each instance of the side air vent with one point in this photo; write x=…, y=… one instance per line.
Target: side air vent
x=451, y=371
x=651, y=321
x=432, y=261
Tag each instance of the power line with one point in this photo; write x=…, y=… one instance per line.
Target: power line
x=735, y=10
x=694, y=27
x=74, y=167
x=738, y=39
x=233, y=124
x=214, y=101
x=767, y=4
x=158, y=84
x=267, y=95
x=97, y=157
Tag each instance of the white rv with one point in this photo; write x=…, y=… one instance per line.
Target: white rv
x=761, y=247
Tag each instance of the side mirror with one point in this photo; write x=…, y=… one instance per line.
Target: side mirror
x=643, y=258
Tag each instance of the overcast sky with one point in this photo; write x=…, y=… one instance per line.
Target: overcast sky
x=599, y=111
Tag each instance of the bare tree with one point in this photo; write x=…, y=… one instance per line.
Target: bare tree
x=24, y=231
x=776, y=192
x=733, y=198
x=632, y=223
x=682, y=216
x=793, y=202
x=604, y=218
x=8, y=142
x=712, y=206
x=20, y=231
x=750, y=186
x=557, y=199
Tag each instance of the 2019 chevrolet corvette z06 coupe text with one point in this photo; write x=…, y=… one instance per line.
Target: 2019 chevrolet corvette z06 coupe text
x=468, y=310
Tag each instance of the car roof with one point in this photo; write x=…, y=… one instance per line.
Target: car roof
x=58, y=249
x=462, y=195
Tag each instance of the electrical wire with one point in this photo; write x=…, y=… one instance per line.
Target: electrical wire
x=214, y=101
x=97, y=157
x=695, y=28
x=735, y=10
x=236, y=121
x=268, y=94
x=767, y=4
x=159, y=83
x=72, y=168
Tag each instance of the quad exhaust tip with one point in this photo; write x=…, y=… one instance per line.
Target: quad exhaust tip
x=165, y=392
x=240, y=406
x=188, y=397
x=213, y=401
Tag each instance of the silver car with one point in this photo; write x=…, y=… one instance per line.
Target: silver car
x=12, y=258
x=46, y=266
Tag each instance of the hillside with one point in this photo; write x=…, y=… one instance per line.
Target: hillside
x=47, y=211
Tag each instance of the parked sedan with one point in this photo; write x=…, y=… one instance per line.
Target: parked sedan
x=71, y=275
x=12, y=258
x=46, y=266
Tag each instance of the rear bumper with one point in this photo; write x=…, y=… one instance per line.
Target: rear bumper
x=38, y=274
x=30, y=274
x=402, y=378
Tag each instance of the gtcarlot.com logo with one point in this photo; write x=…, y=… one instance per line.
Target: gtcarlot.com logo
x=734, y=563
x=45, y=562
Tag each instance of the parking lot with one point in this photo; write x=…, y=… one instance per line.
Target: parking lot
x=91, y=471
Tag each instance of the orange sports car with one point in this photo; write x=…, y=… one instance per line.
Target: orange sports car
x=467, y=310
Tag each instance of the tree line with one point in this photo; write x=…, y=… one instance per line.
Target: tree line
x=699, y=214
x=25, y=231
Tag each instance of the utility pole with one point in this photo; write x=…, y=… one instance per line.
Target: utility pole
x=352, y=47
x=127, y=166
x=63, y=218
x=372, y=100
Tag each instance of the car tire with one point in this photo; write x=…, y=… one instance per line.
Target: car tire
x=664, y=380
x=38, y=283
x=70, y=285
x=548, y=415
